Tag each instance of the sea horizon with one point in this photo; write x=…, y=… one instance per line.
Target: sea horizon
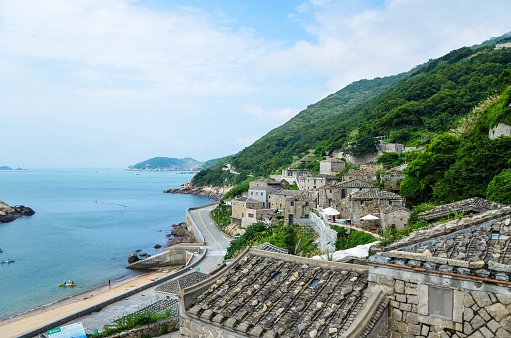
x=87, y=221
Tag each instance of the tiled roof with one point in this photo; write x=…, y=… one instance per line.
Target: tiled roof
x=270, y=294
x=333, y=160
x=265, y=188
x=303, y=197
x=470, y=205
x=287, y=192
x=270, y=247
x=355, y=183
x=373, y=194
x=176, y=285
x=478, y=246
x=246, y=200
x=360, y=173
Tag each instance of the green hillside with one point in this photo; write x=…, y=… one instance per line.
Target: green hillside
x=346, y=98
x=423, y=104
x=166, y=164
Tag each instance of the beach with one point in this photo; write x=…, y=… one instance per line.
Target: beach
x=14, y=326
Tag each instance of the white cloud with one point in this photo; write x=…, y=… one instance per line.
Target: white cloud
x=179, y=51
x=355, y=41
x=273, y=115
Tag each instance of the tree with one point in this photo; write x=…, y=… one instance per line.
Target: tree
x=499, y=189
x=364, y=144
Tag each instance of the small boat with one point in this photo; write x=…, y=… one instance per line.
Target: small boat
x=7, y=261
x=72, y=284
x=155, y=279
x=1, y=251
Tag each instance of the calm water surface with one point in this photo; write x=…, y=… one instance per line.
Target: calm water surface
x=87, y=222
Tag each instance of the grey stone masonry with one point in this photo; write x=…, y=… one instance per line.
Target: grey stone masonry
x=474, y=313
x=266, y=294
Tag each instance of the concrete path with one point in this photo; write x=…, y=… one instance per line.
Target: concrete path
x=217, y=243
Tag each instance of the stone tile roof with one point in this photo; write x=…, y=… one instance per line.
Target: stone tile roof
x=355, y=183
x=176, y=285
x=269, y=294
x=270, y=247
x=478, y=246
x=333, y=160
x=265, y=188
x=353, y=172
x=373, y=194
x=246, y=200
x=303, y=197
x=470, y=205
x=287, y=192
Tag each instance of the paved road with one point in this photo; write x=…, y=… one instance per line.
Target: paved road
x=216, y=241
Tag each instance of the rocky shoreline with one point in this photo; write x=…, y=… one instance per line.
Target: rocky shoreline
x=9, y=214
x=213, y=193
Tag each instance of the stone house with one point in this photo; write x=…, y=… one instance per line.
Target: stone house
x=261, y=193
x=264, y=182
x=360, y=174
x=368, y=201
x=331, y=166
x=297, y=207
x=394, y=215
x=450, y=281
x=392, y=181
x=246, y=211
x=397, y=148
x=311, y=183
x=270, y=294
x=329, y=195
x=295, y=173
x=277, y=198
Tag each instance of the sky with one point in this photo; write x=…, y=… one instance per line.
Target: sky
x=94, y=83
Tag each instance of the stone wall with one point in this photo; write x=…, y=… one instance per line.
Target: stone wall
x=151, y=329
x=479, y=309
x=397, y=217
x=190, y=327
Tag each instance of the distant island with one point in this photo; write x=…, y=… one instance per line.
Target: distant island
x=4, y=167
x=166, y=164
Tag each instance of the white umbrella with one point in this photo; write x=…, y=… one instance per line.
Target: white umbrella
x=369, y=218
x=331, y=211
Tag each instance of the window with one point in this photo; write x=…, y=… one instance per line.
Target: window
x=440, y=301
x=274, y=278
x=250, y=215
x=306, y=204
x=292, y=203
x=251, y=193
x=313, y=283
x=362, y=203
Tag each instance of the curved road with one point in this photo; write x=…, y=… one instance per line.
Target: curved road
x=216, y=241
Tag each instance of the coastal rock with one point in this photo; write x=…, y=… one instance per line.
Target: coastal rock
x=214, y=193
x=9, y=214
x=133, y=258
x=178, y=232
x=23, y=210
x=157, y=246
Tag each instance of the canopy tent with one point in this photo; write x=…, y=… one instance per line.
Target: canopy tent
x=369, y=217
x=331, y=211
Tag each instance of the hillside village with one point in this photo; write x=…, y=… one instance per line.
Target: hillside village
x=357, y=198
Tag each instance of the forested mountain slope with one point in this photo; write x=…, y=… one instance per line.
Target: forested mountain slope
x=427, y=102
x=346, y=98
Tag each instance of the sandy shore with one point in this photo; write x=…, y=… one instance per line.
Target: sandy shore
x=17, y=325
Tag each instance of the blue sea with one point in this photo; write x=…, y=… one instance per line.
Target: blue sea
x=86, y=224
